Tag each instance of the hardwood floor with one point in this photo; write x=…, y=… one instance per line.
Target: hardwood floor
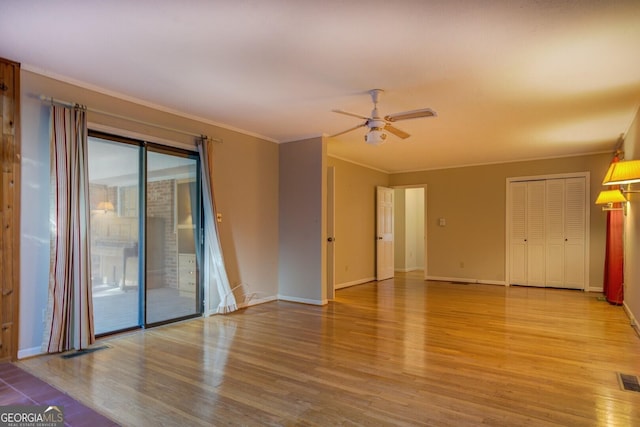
x=398, y=352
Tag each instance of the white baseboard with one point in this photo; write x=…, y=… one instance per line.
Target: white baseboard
x=302, y=300
x=595, y=289
x=257, y=301
x=632, y=318
x=30, y=352
x=408, y=270
x=247, y=304
x=467, y=280
x=355, y=282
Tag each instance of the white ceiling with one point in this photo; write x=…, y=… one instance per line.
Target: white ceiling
x=510, y=80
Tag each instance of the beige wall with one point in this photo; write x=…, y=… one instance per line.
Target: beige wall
x=472, y=200
x=245, y=184
x=302, y=231
x=355, y=221
x=632, y=229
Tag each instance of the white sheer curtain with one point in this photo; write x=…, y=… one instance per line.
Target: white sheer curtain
x=215, y=274
x=70, y=305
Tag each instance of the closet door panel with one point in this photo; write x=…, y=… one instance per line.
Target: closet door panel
x=518, y=233
x=574, y=232
x=554, y=218
x=535, y=233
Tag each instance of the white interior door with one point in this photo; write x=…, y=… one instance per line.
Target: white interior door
x=384, y=235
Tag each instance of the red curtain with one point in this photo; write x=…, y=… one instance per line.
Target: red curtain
x=614, y=256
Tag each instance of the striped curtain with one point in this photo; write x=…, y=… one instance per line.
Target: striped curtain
x=215, y=274
x=70, y=305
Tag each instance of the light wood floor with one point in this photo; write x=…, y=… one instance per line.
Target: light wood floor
x=398, y=352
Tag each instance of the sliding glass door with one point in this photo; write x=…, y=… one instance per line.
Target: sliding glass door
x=114, y=181
x=145, y=211
x=171, y=269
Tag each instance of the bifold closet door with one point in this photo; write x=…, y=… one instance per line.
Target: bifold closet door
x=574, y=233
x=527, y=243
x=555, y=218
x=565, y=221
x=547, y=233
x=518, y=233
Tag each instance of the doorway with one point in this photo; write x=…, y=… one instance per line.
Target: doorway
x=410, y=226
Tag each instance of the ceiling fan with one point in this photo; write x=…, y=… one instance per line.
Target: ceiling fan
x=378, y=125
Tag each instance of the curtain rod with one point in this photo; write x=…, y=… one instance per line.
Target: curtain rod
x=52, y=100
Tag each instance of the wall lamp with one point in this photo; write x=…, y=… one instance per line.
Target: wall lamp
x=609, y=197
x=622, y=172
x=619, y=173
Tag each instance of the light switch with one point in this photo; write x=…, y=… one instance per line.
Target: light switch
x=442, y=222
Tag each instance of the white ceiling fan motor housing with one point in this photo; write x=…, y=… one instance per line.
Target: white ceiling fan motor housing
x=375, y=136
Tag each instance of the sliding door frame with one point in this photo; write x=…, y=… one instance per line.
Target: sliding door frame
x=146, y=147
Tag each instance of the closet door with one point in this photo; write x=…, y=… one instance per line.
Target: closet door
x=547, y=233
x=565, y=222
x=574, y=233
x=518, y=233
x=554, y=216
x=526, y=252
x=535, y=233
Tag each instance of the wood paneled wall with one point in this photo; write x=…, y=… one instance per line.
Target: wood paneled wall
x=9, y=207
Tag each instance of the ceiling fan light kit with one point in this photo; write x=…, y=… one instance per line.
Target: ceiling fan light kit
x=375, y=136
x=379, y=126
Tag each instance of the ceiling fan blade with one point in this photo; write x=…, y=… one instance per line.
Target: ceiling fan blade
x=397, y=132
x=348, y=130
x=413, y=114
x=346, y=113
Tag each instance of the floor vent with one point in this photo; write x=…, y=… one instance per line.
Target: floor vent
x=601, y=298
x=629, y=382
x=83, y=352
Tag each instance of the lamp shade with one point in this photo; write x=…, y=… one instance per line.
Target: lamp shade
x=105, y=206
x=610, y=196
x=623, y=172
